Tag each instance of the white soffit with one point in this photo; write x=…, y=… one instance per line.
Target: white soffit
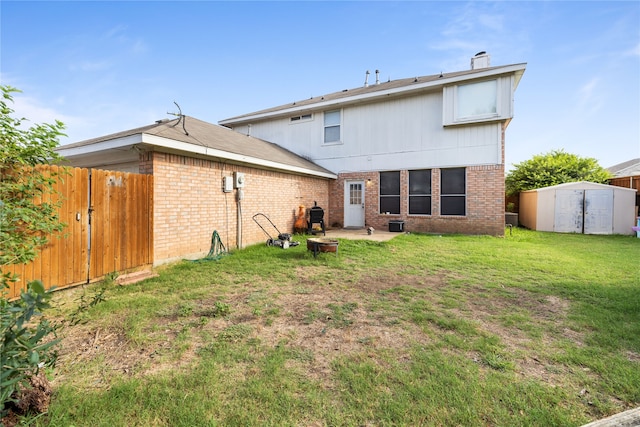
x=111, y=144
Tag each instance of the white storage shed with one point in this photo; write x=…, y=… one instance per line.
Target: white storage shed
x=579, y=207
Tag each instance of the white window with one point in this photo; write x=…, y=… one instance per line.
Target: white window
x=332, y=126
x=477, y=100
x=474, y=103
x=301, y=118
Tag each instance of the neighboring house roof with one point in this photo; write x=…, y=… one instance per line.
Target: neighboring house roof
x=628, y=168
x=372, y=91
x=192, y=136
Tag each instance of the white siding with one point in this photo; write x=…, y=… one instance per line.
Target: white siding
x=401, y=133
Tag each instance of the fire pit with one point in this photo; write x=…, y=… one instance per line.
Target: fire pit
x=322, y=244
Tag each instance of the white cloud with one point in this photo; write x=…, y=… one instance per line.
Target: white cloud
x=491, y=22
x=634, y=51
x=116, y=32
x=139, y=46
x=120, y=36
x=31, y=109
x=90, y=66
x=591, y=100
x=587, y=90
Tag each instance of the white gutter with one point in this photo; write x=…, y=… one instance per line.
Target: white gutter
x=377, y=94
x=111, y=144
x=158, y=141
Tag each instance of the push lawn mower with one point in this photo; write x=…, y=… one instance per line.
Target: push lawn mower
x=284, y=239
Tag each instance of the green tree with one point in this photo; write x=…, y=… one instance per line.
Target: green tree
x=553, y=168
x=27, y=217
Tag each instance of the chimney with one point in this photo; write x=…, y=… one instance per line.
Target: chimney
x=377, y=77
x=366, y=79
x=481, y=60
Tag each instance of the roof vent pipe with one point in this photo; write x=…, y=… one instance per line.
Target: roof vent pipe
x=366, y=79
x=377, y=77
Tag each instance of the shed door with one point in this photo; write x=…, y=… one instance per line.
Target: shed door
x=568, y=214
x=598, y=211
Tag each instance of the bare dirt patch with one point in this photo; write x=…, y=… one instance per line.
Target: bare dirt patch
x=320, y=316
x=300, y=316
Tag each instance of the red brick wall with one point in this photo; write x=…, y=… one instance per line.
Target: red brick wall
x=189, y=203
x=485, y=203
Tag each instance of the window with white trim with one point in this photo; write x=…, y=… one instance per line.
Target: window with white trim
x=474, y=103
x=477, y=100
x=420, y=192
x=390, y=192
x=332, y=122
x=453, y=187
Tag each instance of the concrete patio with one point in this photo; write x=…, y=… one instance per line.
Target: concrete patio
x=359, y=234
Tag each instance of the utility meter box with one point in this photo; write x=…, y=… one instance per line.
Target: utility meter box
x=238, y=180
x=227, y=184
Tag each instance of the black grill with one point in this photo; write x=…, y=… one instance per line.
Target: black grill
x=316, y=216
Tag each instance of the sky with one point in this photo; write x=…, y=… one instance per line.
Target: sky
x=105, y=67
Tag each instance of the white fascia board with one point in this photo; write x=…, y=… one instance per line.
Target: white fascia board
x=100, y=146
x=212, y=152
x=445, y=81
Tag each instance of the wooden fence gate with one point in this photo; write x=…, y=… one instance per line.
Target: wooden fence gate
x=109, y=228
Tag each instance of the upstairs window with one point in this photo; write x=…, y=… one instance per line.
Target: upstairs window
x=390, y=192
x=477, y=99
x=420, y=192
x=301, y=118
x=474, y=103
x=453, y=198
x=332, y=126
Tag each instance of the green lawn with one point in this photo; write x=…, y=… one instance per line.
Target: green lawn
x=533, y=329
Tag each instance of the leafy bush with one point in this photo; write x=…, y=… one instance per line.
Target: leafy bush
x=26, y=345
x=553, y=168
x=27, y=218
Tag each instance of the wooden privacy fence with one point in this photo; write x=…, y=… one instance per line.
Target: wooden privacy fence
x=109, y=228
x=627, y=181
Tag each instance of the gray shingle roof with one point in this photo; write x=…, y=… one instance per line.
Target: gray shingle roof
x=204, y=134
x=371, y=89
x=628, y=168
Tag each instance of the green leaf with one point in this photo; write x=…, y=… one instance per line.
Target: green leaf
x=37, y=287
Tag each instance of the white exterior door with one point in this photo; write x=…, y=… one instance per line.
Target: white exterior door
x=598, y=211
x=568, y=214
x=354, y=204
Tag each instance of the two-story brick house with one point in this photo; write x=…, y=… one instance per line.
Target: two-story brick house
x=426, y=150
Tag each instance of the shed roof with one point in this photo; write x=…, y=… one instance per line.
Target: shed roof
x=197, y=137
x=580, y=185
